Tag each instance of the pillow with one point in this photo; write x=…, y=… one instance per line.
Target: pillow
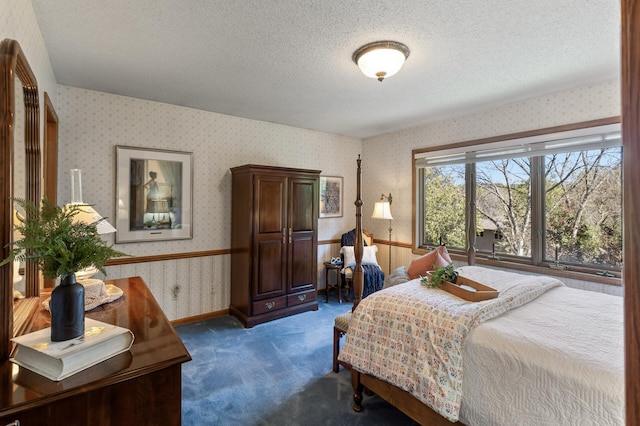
x=368, y=256
x=349, y=257
x=445, y=254
x=440, y=260
x=399, y=276
x=419, y=266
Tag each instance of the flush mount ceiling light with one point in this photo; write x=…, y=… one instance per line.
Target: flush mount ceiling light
x=381, y=59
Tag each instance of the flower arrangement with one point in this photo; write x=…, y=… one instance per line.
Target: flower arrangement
x=60, y=245
x=439, y=275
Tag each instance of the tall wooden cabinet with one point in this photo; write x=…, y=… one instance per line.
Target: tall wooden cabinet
x=274, y=236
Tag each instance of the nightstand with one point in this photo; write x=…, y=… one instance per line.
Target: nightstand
x=332, y=269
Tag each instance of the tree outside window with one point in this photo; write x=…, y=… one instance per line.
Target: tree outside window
x=580, y=211
x=583, y=207
x=444, y=201
x=503, y=204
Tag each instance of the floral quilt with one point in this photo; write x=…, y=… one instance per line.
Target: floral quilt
x=412, y=336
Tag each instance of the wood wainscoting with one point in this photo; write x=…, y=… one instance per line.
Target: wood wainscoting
x=195, y=285
x=185, y=285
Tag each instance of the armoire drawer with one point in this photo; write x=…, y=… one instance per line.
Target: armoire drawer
x=268, y=305
x=302, y=297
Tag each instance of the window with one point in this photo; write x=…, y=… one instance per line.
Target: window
x=550, y=198
x=583, y=207
x=444, y=201
x=503, y=205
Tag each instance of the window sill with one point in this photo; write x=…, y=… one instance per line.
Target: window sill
x=545, y=270
x=592, y=277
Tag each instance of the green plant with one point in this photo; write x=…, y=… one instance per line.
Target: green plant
x=59, y=245
x=439, y=275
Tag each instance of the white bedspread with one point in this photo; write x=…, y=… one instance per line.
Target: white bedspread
x=558, y=360
x=413, y=336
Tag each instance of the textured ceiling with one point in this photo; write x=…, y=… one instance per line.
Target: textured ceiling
x=289, y=61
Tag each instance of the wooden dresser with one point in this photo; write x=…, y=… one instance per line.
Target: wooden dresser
x=139, y=387
x=274, y=242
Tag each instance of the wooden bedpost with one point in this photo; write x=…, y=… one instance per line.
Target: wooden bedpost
x=357, y=390
x=358, y=278
x=358, y=243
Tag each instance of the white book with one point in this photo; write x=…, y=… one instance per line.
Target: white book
x=58, y=360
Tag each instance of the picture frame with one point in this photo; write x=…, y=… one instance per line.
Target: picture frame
x=331, y=196
x=153, y=194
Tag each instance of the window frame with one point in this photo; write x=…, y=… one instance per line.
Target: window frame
x=536, y=263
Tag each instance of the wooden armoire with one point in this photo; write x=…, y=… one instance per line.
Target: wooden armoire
x=274, y=238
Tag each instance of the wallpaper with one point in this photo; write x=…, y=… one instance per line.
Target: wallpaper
x=93, y=123
x=18, y=22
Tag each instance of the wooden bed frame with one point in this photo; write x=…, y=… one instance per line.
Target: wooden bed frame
x=397, y=397
x=630, y=89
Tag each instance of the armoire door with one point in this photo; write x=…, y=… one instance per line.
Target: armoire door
x=302, y=235
x=269, y=271
x=273, y=242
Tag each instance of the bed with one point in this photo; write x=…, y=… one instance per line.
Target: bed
x=539, y=354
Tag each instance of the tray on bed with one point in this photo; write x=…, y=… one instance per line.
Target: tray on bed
x=470, y=290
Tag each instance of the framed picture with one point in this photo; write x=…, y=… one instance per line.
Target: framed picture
x=153, y=194
x=330, y=196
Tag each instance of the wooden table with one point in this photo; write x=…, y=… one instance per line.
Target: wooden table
x=139, y=387
x=328, y=268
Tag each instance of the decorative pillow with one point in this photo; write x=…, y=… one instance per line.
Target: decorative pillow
x=419, y=266
x=440, y=260
x=445, y=254
x=399, y=276
x=349, y=257
x=368, y=256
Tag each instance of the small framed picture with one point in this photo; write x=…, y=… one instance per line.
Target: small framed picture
x=153, y=195
x=330, y=196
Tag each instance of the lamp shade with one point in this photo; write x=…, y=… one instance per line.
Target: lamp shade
x=381, y=59
x=382, y=210
x=88, y=214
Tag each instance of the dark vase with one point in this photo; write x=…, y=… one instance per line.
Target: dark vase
x=67, y=310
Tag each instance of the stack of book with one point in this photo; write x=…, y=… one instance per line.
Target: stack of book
x=59, y=360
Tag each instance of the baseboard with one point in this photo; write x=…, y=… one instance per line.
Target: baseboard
x=200, y=317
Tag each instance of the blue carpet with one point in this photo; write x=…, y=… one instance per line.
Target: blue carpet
x=277, y=373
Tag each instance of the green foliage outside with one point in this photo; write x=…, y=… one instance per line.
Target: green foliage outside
x=584, y=211
x=444, y=208
x=60, y=246
x=582, y=199
x=503, y=193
